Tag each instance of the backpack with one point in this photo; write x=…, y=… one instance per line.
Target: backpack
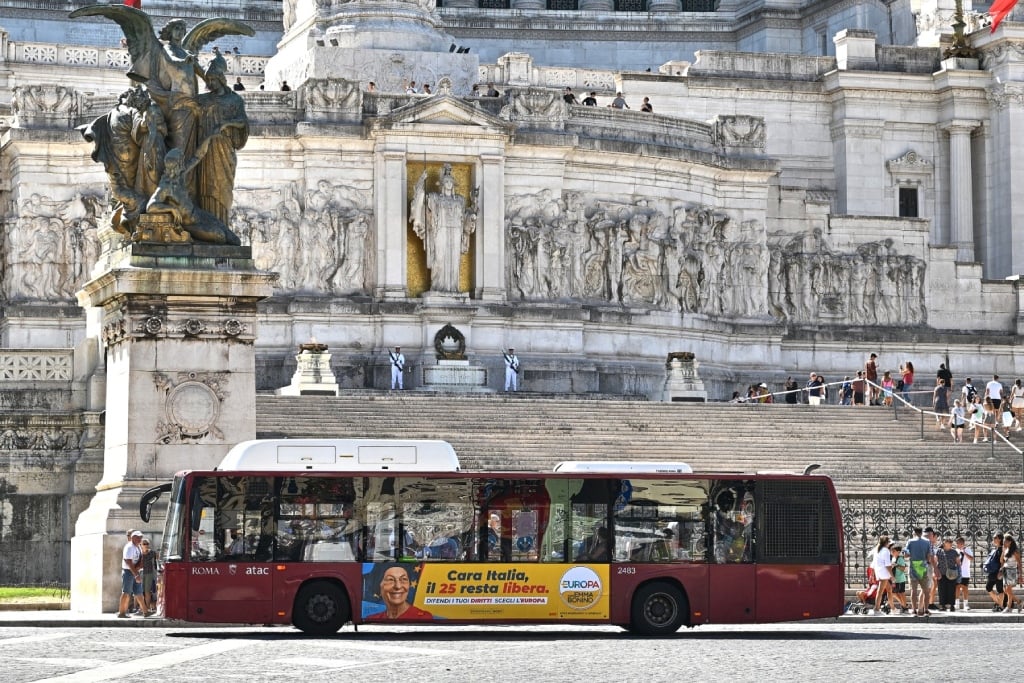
x=972, y=393
x=992, y=563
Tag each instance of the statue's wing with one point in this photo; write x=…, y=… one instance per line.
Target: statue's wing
x=137, y=28
x=209, y=30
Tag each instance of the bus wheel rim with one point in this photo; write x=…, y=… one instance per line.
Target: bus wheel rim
x=660, y=609
x=321, y=608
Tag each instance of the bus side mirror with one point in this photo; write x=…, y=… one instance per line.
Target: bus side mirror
x=149, y=498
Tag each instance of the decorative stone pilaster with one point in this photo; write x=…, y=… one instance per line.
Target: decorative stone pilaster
x=654, y=6
x=178, y=324
x=391, y=227
x=597, y=5
x=961, y=188
x=529, y=4
x=490, y=235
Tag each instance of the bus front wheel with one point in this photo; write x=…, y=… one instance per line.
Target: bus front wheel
x=658, y=609
x=321, y=608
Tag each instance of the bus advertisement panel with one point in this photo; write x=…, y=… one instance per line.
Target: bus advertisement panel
x=484, y=592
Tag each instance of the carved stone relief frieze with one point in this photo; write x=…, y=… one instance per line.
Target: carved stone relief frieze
x=809, y=282
x=739, y=131
x=50, y=247
x=45, y=105
x=675, y=256
x=319, y=242
x=332, y=99
x=535, y=107
x=192, y=405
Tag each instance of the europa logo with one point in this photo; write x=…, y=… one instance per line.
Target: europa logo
x=580, y=588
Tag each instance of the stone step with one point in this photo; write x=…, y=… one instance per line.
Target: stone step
x=863, y=449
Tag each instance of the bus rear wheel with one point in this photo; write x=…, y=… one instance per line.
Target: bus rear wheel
x=321, y=608
x=658, y=609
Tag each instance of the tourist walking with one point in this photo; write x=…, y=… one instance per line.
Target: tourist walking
x=859, y=387
x=994, y=575
x=131, y=575
x=940, y=402
x=871, y=375
x=899, y=577
x=919, y=553
x=1011, y=572
x=957, y=420
x=883, y=564
x=963, y=600
x=947, y=571
x=814, y=389
x=887, y=388
x=792, y=391
x=1017, y=403
x=907, y=378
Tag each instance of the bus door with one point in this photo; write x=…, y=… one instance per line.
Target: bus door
x=228, y=580
x=732, y=581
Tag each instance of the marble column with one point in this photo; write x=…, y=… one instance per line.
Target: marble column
x=391, y=227
x=490, y=232
x=961, y=189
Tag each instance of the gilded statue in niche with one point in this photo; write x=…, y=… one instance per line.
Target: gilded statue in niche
x=169, y=151
x=444, y=222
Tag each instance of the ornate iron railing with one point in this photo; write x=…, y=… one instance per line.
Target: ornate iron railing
x=976, y=519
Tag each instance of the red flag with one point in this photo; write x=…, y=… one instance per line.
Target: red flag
x=999, y=10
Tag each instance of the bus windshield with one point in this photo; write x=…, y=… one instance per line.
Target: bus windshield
x=173, y=527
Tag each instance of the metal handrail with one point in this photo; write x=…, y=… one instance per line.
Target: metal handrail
x=895, y=409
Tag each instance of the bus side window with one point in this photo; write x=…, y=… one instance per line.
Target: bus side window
x=733, y=506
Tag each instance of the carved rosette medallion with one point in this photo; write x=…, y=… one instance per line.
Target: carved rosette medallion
x=233, y=327
x=192, y=406
x=152, y=325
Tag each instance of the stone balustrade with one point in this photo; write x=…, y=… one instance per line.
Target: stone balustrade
x=17, y=365
x=114, y=57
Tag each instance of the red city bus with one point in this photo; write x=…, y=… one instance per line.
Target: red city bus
x=319, y=532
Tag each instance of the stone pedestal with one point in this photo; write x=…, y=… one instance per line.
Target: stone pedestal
x=178, y=324
x=313, y=376
x=389, y=43
x=455, y=376
x=682, y=383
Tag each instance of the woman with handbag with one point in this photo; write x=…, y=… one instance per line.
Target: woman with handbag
x=1011, y=572
x=948, y=568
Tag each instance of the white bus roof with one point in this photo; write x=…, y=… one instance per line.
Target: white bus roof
x=614, y=467
x=341, y=455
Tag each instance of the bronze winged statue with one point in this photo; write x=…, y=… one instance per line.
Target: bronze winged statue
x=165, y=118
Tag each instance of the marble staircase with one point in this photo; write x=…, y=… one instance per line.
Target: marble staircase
x=865, y=450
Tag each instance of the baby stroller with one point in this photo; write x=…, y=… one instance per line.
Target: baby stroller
x=866, y=598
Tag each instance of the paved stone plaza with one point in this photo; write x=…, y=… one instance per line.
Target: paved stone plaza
x=848, y=649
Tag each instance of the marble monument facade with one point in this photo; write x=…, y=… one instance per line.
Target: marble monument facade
x=775, y=214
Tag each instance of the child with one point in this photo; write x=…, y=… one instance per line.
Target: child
x=899, y=570
x=887, y=387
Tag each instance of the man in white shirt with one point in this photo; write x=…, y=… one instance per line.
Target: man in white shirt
x=994, y=391
x=131, y=576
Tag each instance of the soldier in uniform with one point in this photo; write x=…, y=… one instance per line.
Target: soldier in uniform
x=397, y=368
x=511, y=370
